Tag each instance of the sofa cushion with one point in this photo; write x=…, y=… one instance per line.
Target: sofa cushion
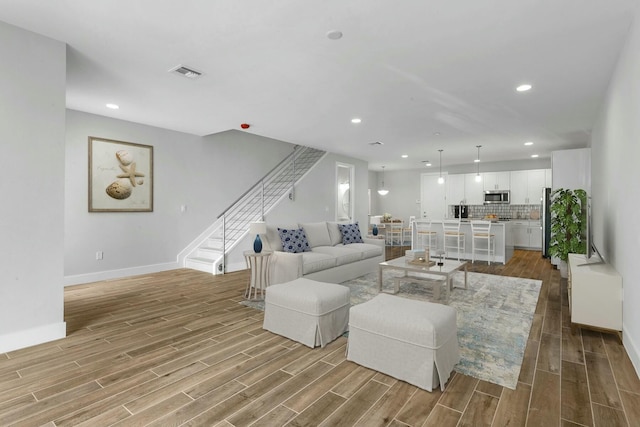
x=316, y=261
x=367, y=249
x=350, y=233
x=294, y=240
x=334, y=233
x=317, y=233
x=342, y=254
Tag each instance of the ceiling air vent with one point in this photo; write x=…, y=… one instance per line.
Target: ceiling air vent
x=186, y=71
x=376, y=143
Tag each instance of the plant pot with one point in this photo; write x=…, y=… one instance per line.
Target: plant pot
x=564, y=269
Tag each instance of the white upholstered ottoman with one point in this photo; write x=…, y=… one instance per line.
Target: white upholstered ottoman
x=312, y=313
x=413, y=341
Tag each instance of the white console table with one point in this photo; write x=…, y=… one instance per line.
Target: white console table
x=595, y=294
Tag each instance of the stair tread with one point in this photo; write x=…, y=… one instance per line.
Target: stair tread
x=200, y=259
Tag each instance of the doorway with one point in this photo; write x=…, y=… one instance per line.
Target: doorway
x=344, y=191
x=433, y=197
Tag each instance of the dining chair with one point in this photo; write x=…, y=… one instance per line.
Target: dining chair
x=394, y=233
x=407, y=231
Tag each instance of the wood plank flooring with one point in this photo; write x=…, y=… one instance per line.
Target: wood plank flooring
x=176, y=348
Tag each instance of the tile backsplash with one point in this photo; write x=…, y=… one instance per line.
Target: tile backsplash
x=502, y=211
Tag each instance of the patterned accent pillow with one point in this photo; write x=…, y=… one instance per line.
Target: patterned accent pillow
x=350, y=233
x=294, y=240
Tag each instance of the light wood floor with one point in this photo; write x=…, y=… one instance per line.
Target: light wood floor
x=176, y=348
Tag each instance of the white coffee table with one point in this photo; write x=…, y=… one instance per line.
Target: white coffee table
x=425, y=273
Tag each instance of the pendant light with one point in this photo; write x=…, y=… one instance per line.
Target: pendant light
x=441, y=179
x=382, y=191
x=478, y=177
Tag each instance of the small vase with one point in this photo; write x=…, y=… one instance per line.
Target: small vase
x=257, y=244
x=374, y=230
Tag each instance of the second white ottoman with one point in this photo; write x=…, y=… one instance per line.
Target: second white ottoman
x=413, y=341
x=312, y=313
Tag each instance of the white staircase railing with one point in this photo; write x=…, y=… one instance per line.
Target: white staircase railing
x=208, y=251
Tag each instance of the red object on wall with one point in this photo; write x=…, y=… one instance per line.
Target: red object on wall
x=244, y=126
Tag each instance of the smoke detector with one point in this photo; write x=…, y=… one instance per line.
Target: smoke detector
x=187, y=72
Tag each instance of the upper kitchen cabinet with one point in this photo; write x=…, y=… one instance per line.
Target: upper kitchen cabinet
x=473, y=190
x=455, y=189
x=526, y=186
x=496, y=181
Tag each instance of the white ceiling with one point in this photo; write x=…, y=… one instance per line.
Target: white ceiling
x=408, y=69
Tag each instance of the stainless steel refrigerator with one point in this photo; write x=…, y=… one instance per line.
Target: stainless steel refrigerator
x=545, y=217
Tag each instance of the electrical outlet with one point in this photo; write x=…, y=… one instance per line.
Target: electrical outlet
x=99, y=255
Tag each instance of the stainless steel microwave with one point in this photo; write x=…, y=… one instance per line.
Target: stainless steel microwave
x=496, y=197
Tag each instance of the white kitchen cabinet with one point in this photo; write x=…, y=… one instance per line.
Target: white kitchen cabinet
x=548, y=178
x=519, y=189
x=473, y=190
x=495, y=181
x=526, y=234
x=455, y=189
x=535, y=235
x=535, y=184
x=520, y=233
x=595, y=294
x=526, y=186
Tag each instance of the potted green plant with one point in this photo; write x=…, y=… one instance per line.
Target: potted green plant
x=568, y=225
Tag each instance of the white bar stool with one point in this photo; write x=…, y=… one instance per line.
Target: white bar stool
x=408, y=231
x=453, y=237
x=426, y=237
x=481, y=231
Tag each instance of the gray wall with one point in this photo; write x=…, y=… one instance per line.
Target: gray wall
x=32, y=107
x=615, y=175
x=205, y=174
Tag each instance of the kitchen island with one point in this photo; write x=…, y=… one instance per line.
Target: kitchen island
x=503, y=241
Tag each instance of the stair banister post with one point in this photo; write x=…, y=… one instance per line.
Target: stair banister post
x=224, y=244
x=292, y=195
x=262, y=203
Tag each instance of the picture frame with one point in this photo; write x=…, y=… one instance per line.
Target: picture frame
x=120, y=176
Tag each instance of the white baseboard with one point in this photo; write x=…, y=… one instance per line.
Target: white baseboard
x=116, y=274
x=236, y=267
x=632, y=350
x=33, y=336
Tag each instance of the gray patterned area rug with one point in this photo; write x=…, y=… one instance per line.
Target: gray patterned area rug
x=494, y=318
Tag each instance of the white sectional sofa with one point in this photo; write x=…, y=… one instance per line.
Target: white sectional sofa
x=328, y=259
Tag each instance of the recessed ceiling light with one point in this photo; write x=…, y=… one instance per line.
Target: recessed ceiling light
x=523, y=88
x=404, y=156
x=534, y=155
x=356, y=120
x=113, y=106
x=528, y=143
x=476, y=160
x=427, y=163
x=436, y=134
x=334, y=35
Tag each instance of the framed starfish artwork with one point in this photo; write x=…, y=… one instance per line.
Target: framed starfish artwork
x=120, y=176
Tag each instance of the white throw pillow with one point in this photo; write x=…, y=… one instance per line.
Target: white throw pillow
x=317, y=233
x=334, y=232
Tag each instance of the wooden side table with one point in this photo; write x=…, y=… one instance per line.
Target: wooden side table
x=258, y=263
